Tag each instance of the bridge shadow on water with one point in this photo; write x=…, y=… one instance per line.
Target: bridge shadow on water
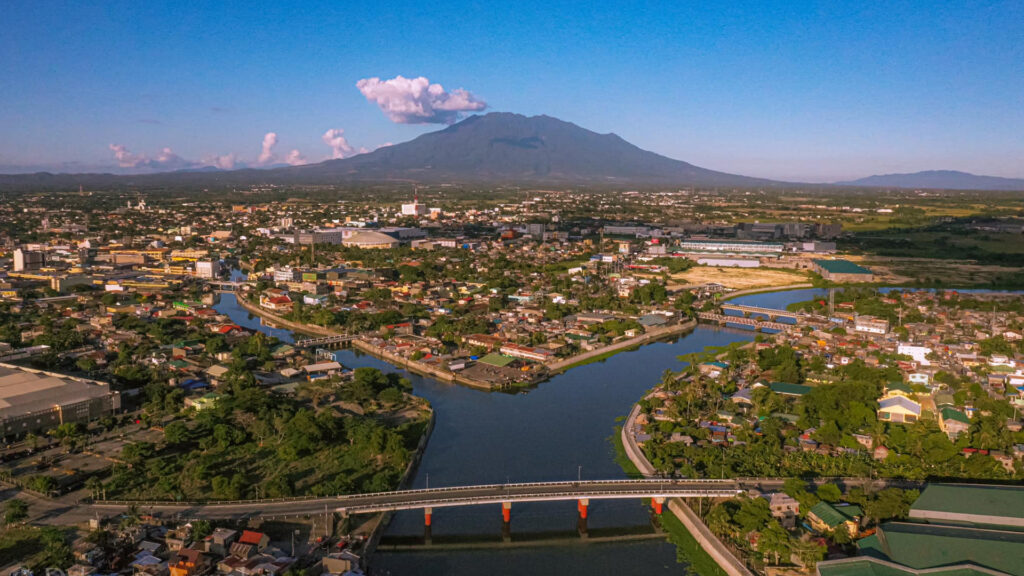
x=581, y=536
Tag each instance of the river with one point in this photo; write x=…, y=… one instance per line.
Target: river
x=557, y=431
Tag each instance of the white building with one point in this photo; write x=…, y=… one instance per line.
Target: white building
x=285, y=274
x=414, y=209
x=918, y=353
x=208, y=269
x=870, y=325
x=28, y=260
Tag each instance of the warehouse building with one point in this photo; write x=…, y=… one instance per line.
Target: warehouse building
x=36, y=401
x=952, y=530
x=842, y=271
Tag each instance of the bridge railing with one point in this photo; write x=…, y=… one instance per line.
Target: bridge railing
x=412, y=492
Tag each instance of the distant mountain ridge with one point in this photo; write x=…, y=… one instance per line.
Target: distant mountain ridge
x=495, y=148
x=939, y=179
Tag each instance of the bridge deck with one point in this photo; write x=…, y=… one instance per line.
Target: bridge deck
x=440, y=498
x=773, y=312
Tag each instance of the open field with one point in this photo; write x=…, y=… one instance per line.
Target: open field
x=738, y=278
x=954, y=273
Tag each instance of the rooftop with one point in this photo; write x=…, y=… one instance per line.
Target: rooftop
x=923, y=546
x=975, y=504
x=841, y=267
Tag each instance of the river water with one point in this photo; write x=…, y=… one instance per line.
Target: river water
x=558, y=431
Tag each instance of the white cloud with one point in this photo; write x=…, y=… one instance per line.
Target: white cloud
x=417, y=101
x=340, y=148
x=224, y=162
x=267, y=153
x=167, y=160
x=295, y=158
x=126, y=159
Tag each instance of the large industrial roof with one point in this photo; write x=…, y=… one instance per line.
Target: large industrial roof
x=976, y=504
x=842, y=267
x=24, y=391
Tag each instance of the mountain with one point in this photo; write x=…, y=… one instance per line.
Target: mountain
x=491, y=149
x=503, y=147
x=939, y=179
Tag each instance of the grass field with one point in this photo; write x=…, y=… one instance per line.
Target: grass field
x=952, y=273
x=739, y=278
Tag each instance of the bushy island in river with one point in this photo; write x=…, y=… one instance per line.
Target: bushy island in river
x=327, y=437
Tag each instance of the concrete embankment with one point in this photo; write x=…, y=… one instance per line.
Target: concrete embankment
x=280, y=322
x=739, y=293
x=700, y=532
x=647, y=337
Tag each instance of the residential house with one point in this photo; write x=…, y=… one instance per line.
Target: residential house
x=825, y=517
x=953, y=422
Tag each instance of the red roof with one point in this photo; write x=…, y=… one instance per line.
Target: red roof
x=250, y=537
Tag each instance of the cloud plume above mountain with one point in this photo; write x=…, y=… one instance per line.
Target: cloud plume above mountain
x=166, y=160
x=267, y=150
x=340, y=148
x=417, y=101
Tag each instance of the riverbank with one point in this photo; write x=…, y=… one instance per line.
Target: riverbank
x=307, y=329
x=714, y=550
x=365, y=347
x=405, y=483
x=738, y=293
x=612, y=349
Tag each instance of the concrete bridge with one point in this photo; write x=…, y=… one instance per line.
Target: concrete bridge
x=336, y=340
x=770, y=313
x=722, y=319
x=429, y=499
x=226, y=285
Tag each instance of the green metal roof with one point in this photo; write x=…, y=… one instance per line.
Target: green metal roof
x=971, y=504
x=841, y=267
x=954, y=414
x=866, y=566
x=923, y=546
x=835, y=515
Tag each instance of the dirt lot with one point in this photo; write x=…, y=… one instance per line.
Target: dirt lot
x=737, y=278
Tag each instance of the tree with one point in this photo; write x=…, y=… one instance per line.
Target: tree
x=94, y=485
x=176, y=432
x=774, y=542
x=891, y=503
x=841, y=535
x=15, y=511
x=810, y=553
x=56, y=553
x=830, y=492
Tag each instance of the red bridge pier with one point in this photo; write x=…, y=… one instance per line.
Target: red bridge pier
x=506, y=521
x=581, y=523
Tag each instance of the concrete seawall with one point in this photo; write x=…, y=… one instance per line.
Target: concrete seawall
x=700, y=532
x=308, y=329
x=654, y=334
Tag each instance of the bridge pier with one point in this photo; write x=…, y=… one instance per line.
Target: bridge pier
x=506, y=521
x=657, y=503
x=581, y=523
x=427, y=513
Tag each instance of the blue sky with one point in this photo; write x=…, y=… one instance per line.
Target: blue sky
x=814, y=91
